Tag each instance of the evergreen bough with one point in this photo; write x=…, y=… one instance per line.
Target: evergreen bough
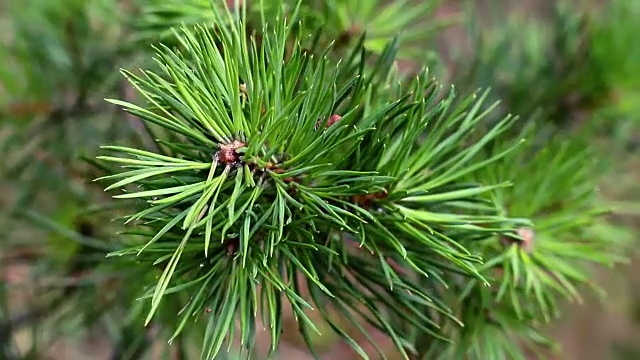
x=289, y=180
x=295, y=165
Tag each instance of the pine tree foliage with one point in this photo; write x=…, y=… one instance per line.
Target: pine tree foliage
x=55, y=75
x=304, y=168
x=294, y=166
x=557, y=67
x=67, y=67
x=280, y=170
x=342, y=21
x=618, y=60
x=543, y=265
x=553, y=52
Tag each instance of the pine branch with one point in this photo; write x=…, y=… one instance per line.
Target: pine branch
x=281, y=158
x=540, y=266
x=285, y=160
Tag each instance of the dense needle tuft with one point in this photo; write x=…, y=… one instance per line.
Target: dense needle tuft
x=331, y=187
x=282, y=169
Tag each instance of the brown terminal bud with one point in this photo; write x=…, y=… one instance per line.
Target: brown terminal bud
x=526, y=243
x=528, y=237
x=231, y=4
x=232, y=246
x=345, y=38
x=228, y=153
x=332, y=120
